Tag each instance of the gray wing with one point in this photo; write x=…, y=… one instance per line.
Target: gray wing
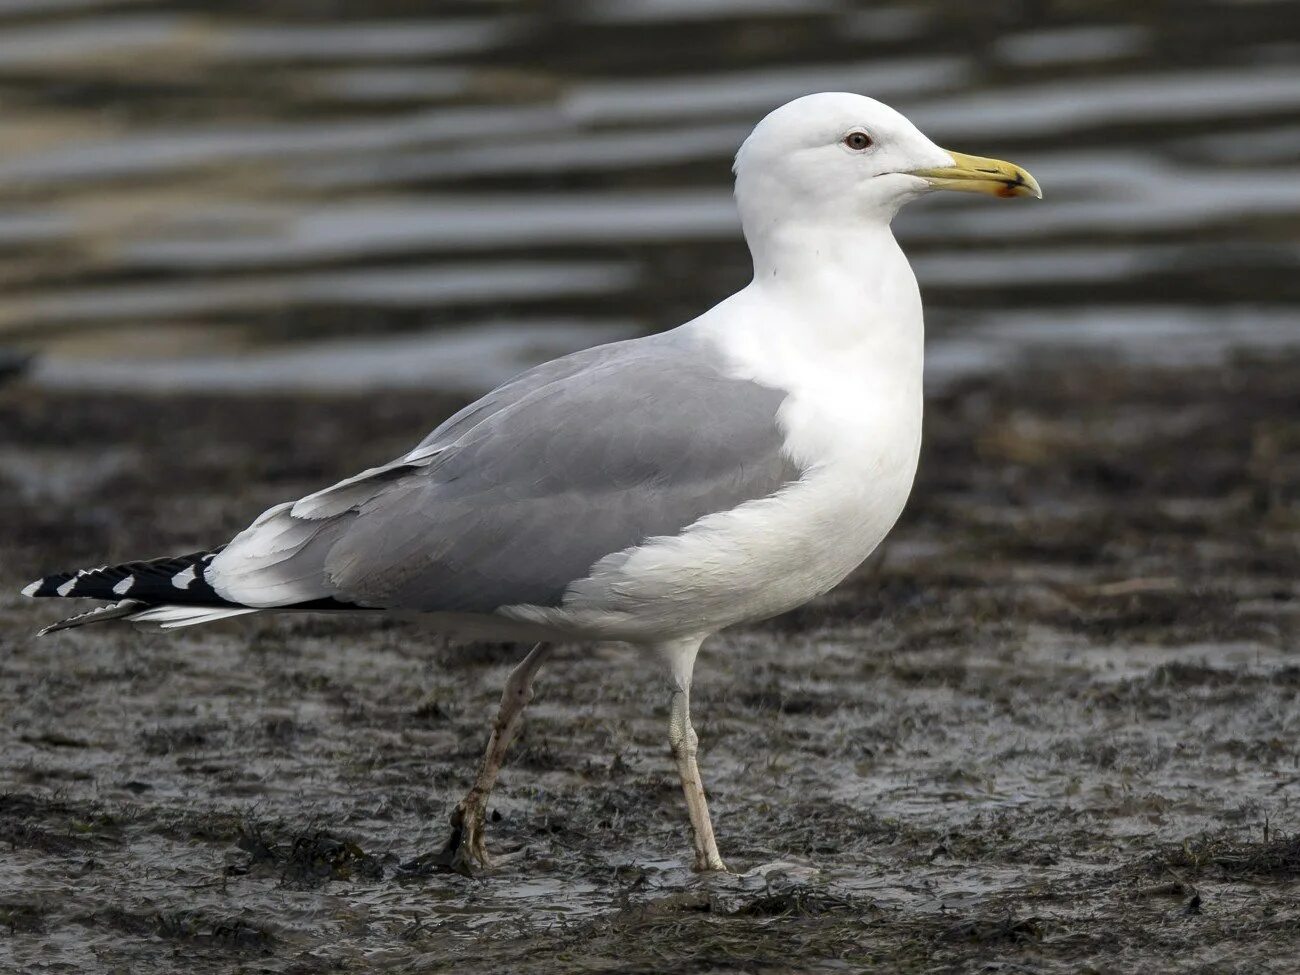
x=521, y=493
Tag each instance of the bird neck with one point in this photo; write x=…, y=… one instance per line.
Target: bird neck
x=792, y=250
x=846, y=286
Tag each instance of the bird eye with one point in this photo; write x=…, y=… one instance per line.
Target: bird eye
x=857, y=141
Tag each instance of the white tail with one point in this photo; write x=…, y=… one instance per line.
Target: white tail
x=172, y=617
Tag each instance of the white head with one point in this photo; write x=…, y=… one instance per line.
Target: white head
x=837, y=157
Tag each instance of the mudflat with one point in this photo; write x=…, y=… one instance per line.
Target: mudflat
x=1049, y=727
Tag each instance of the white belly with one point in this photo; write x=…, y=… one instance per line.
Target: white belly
x=766, y=556
x=851, y=423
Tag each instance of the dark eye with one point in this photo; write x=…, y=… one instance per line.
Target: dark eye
x=857, y=141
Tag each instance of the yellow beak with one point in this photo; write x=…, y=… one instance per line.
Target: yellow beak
x=975, y=174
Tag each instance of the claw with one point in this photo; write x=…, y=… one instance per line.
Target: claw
x=466, y=846
x=705, y=864
x=463, y=853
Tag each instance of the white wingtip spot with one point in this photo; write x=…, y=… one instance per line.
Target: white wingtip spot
x=31, y=587
x=184, y=578
x=124, y=586
x=67, y=587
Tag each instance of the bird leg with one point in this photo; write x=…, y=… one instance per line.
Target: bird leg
x=685, y=745
x=465, y=847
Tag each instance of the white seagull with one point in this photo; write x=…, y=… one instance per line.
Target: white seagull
x=652, y=491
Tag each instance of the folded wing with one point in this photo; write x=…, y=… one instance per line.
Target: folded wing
x=517, y=496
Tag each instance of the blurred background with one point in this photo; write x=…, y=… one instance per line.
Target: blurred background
x=295, y=194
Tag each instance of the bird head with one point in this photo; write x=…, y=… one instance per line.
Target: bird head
x=837, y=156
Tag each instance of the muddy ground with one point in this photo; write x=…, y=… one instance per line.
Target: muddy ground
x=1051, y=729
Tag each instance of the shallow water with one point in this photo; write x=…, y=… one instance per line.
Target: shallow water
x=177, y=183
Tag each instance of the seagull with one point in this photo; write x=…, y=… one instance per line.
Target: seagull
x=649, y=492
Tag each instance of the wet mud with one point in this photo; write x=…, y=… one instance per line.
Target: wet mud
x=1051, y=727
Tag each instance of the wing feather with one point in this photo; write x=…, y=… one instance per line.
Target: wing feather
x=517, y=496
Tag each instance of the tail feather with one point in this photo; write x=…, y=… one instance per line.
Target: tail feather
x=173, y=617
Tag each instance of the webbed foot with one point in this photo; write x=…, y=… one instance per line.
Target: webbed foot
x=465, y=851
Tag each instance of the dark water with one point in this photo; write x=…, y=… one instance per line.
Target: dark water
x=185, y=183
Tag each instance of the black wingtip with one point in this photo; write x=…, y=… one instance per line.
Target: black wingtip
x=178, y=579
x=59, y=584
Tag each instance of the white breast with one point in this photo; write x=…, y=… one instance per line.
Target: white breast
x=852, y=422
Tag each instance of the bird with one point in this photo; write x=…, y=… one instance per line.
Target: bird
x=649, y=492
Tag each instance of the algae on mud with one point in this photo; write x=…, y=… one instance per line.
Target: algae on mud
x=1051, y=727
